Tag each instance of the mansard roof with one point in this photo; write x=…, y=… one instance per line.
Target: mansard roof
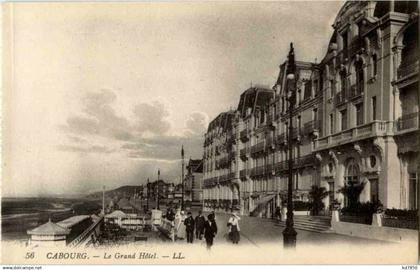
x=254, y=97
x=224, y=121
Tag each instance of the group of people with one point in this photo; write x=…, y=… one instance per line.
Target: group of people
x=186, y=226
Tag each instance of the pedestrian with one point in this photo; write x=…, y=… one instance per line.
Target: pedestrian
x=179, y=224
x=277, y=213
x=210, y=230
x=199, y=225
x=189, y=227
x=234, y=229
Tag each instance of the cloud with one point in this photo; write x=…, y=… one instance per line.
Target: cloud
x=99, y=118
x=151, y=118
x=85, y=149
x=196, y=123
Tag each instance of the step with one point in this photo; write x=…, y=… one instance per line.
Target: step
x=309, y=229
x=321, y=228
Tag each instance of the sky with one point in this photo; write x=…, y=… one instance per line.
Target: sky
x=106, y=93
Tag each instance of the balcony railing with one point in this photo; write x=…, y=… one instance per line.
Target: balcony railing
x=340, y=98
x=243, y=153
x=244, y=135
x=312, y=127
x=282, y=139
x=257, y=171
x=304, y=161
x=269, y=169
x=408, y=121
x=280, y=166
x=258, y=148
x=356, y=90
x=407, y=69
x=375, y=128
x=269, y=143
x=243, y=173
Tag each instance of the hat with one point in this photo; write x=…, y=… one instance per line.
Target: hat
x=236, y=215
x=182, y=212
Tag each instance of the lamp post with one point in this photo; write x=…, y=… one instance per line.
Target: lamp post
x=147, y=194
x=157, y=192
x=289, y=233
x=182, y=177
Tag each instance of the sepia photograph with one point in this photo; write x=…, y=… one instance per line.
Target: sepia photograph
x=227, y=132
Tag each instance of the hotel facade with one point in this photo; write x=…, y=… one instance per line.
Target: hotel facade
x=355, y=121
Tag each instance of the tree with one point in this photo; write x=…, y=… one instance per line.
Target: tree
x=316, y=195
x=352, y=193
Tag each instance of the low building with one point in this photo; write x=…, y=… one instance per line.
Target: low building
x=125, y=221
x=48, y=235
x=193, y=182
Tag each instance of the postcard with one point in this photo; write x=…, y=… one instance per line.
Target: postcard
x=231, y=132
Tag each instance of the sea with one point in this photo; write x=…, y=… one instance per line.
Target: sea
x=18, y=215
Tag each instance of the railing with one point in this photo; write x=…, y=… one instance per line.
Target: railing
x=269, y=169
x=375, y=128
x=303, y=161
x=408, y=121
x=312, y=126
x=167, y=228
x=280, y=166
x=407, y=69
x=244, y=135
x=282, y=139
x=85, y=234
x=260, y=171
x=243, y=173
x=243, y=153
x=356, y=90
x=340, y=98
x=258, y=148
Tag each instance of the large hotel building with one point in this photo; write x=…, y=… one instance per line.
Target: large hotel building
x=355, y=121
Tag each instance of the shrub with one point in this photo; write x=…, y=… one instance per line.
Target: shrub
x=402, y=214
x=316, y=195
x=301, y=206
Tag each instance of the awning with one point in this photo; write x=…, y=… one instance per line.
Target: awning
x=265, y=199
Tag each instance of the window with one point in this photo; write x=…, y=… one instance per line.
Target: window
x=374, y=65
x=374, y=108
x=359, y=114
x=299, y=124
x=343, y=115
x=315, y=115
x=331, y=123
x=374, y=190
x=331, y=192
x=413, y=196
x=344, y=35
x=360, y=79
x=343, y=80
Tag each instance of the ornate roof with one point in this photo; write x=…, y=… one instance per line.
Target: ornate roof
x=49, y=228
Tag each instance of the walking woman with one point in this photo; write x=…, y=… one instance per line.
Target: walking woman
x=234, y=229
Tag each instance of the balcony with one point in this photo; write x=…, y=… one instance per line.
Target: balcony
x=304, y=161
x=244, y=135
x=408, y=122
x=244, y=154
x=258, y=171
x=269, y=145
x=258, y=148
x=408, y=69
x=340, y=98
x=356, y=90
x=280, y=167
x=282, y=139
x=312, y=128
x=373, y=129
x=296, y=134
x=269, y=170
x=243, y=173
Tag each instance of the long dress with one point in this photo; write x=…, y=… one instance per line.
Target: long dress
x=234, y=229
x=179, y=226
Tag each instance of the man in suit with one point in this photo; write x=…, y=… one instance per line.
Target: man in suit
x=189, y=227
x=199, y=225
x=210, y=230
